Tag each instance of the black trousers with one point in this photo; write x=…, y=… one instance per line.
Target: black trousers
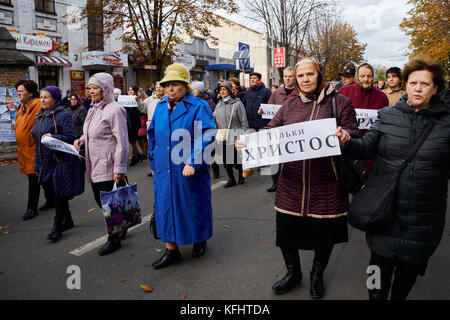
x=34, y=190
x=405, y=275
x=61, y=204
x=103, y=186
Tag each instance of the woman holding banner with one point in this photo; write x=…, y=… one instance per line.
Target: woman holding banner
x=105, y=136
x=311, y=206
x=53, y=167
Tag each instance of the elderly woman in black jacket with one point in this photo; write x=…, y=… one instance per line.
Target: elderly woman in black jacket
x=403, y=247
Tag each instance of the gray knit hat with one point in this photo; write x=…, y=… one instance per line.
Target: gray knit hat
x=228, y=85
x=199, y=85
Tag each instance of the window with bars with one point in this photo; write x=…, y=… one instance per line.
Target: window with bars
x=47, y=6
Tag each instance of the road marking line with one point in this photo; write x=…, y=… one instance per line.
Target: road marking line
x=100, y=241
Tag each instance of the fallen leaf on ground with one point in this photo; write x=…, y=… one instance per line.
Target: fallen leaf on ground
x=5, y=227
x=159, y=250
x=146, y=288
x=266, y=240
x=225, y=226
x=184, y=296
x=121, y=280
x=90, y=210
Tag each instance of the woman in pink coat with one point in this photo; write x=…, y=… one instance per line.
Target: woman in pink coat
x=105, y=138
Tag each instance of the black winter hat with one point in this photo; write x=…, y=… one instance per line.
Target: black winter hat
x=256, y=74
x=395, y=70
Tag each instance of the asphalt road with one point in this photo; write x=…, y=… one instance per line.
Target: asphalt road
x=241, y=263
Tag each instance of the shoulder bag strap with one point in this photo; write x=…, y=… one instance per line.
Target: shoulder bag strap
x=333, y=100
x=418, y=143
x=231, y=117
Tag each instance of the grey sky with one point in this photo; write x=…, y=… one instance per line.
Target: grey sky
x=377, y=24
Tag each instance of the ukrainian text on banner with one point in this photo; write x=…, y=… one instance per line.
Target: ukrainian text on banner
x=59, y=145
x=269, y=110
x=299, y=141
x=127, y=101
x=365, y=117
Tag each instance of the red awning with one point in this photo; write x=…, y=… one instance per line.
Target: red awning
x=52, y=61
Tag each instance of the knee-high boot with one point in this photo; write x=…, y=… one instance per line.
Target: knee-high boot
x=293, y=276
x=320, y=262
x=231, y=181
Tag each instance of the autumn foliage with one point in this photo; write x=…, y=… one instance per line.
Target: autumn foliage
x=428, y=26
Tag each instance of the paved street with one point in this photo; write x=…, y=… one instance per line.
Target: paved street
x=242, y=261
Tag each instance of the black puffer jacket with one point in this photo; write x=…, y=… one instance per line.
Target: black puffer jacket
x=421, y=200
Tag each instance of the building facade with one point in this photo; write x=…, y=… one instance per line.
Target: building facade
x=65, y=55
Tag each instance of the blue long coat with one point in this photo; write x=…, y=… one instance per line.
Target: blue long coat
x=183, y=210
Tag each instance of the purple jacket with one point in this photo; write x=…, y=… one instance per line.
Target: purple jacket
x=105, y=135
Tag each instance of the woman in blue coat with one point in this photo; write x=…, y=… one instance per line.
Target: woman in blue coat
x=180, y=144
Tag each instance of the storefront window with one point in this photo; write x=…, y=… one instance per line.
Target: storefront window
x=48, y=76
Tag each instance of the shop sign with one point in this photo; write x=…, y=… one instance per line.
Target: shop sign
x=32, y=43
x=185, y=59
x=92, y=58
x=77, y=82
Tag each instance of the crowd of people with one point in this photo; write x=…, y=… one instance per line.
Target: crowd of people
x=310, y=203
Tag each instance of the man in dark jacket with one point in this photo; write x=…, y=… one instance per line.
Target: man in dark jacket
x=253, y=98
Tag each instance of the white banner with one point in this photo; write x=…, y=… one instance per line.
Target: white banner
x=299, y=141
x=269, y=110
x=127, y=101
x=366, y=117
x=59, y=145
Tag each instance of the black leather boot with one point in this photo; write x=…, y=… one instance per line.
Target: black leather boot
x=241, y=178
x=30, y=214
x=317, y=289
x=111, y=245
x=134, y=161
x=216, y=170
x=56, y=232
x=199, y=249
x=68, y=222
x=293, y=276
x=273, y=188
x=231, y=181
x=169, y=257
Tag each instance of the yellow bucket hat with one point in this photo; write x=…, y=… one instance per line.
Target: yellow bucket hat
x=176, y=72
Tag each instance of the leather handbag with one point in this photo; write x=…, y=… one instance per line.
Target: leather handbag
x=351, y=172
x=373, y=206
x=222, y=134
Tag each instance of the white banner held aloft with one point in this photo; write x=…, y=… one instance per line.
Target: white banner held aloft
x=59, y=145
x=127, y=101
x=269, y=110
x=299, y=141
x=366, y=117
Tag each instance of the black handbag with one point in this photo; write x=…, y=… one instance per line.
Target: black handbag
x=153, y=223
x=373, y=206
x=351, y=172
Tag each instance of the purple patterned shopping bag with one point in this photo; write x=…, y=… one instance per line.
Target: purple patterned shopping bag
x=121, y=208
